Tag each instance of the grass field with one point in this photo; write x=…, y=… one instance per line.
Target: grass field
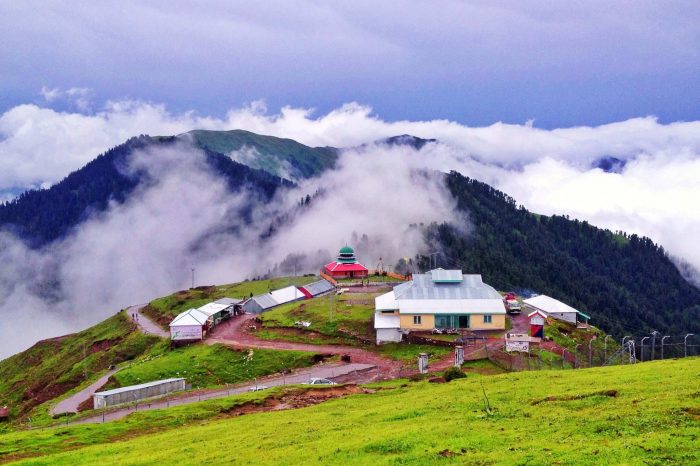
x=162, y=310
x=352, y=315
x=210, y=365
x=639, y=414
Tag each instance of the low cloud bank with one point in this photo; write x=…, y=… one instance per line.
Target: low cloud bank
x=146, y=247
x=184, y=216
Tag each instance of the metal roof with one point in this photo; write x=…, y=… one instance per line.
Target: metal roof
x=228, y=301
x=265, y=301
x=286, y=295
x=423, y=287
x=189, y=317
x=213, y=308
x=137, y=387
x=446, y=276
x=319, y=287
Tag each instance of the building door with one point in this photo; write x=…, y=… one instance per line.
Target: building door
x=463, y=321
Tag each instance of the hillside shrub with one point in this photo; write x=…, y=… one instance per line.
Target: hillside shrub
x=453, y=373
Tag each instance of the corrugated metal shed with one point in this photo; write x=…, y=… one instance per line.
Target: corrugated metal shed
x=266, y=301
x=286, y=295
x=319, y=287
x=137, y=387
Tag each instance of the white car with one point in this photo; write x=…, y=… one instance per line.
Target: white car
x=316, y=381
x=257, y=388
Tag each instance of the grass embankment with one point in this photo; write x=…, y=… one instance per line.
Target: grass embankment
x=568, y=336
x=162, y=310
x=53, y=367
x=209, y=365
x=352, y=319
x=641, y=414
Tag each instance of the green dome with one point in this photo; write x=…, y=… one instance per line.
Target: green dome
x=347, y=255
x=346, y=250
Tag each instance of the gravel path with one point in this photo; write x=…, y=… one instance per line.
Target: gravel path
x=325, y=371
x=70, y=404
x=145, y=324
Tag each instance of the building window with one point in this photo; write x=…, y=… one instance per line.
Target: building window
x=487, y=319
x=416, y=320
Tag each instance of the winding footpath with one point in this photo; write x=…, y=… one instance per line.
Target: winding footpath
x=70, y=404
x=145, y=324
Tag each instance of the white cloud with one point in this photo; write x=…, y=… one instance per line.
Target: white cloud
x=144, y=248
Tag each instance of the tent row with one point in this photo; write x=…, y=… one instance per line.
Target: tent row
x=266, y=301
x=194, y=324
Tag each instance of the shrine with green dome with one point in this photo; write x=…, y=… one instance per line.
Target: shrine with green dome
x=346, y=265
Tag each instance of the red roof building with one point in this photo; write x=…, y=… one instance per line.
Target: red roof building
x=346, y=266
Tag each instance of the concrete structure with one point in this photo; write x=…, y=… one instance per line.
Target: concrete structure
x=556, y=309
x=346, y=266
x=518, y=342
x=316, y=288
x=189, y=325
x=137, y=392
x=388, y=327
x=443, y=299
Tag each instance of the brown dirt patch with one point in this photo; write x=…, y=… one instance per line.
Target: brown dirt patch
x=296, y=398
x=609, y=393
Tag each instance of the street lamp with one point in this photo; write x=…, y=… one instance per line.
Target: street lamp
x=641, y=344
x=653, y=343
x=662, y=345
x=685, y=344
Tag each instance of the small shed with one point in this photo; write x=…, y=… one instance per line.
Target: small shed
x=388, y=326
x=537, y=320
x=189, y=325
x=259, y=303
x=137, y=392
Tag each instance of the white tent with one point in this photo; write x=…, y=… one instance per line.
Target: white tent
x=188, y=325
x=287, y=295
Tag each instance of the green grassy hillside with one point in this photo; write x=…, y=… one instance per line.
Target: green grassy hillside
x=641, y=414
x=278, y=156
x=52, y=367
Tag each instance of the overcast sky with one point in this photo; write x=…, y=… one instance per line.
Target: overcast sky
x=474, y=62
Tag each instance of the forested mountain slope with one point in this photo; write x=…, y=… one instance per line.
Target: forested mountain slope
x=625, y=282
x=41, y=216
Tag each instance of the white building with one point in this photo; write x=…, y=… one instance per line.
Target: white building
x=388, y=327
x=188, y=325
x=287, y=295
x=556, y=309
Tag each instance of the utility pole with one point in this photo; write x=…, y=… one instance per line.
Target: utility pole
x=685, y=344
x=662, y=345
x=590, y=352
x=192, y=269
x=331, y=302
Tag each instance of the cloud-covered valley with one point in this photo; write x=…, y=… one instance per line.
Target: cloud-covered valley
x=187, y=217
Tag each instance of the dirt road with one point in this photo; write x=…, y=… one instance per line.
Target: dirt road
x=326, y=371
x=232, y=333
x=145, y=324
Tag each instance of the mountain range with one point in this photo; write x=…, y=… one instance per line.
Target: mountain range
x=625, y=282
